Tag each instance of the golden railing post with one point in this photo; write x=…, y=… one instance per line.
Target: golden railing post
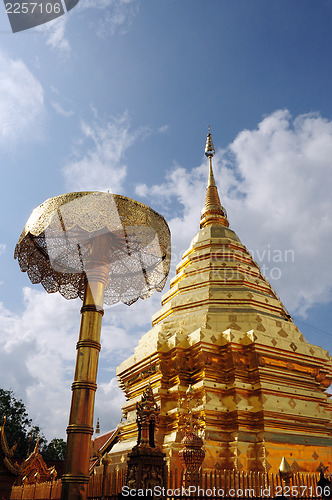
x=36, y=476
x=106, y=461
x=53, y=476
x=23, y=483
x=286, y=473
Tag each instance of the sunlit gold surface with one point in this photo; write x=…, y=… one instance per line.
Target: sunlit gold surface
x=213, y=212
x=260, y=386
x=80, y=428
x=209, y=147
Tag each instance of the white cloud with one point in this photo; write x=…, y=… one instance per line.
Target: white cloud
x=61, y=111
x=116, y=17
x=163, y=129
x=2, y=248
x=98, y=159
x=21, y=103
x=37, y=356
x=286, y=174
x=55, y=32
x=276, y=183
x=109, y=399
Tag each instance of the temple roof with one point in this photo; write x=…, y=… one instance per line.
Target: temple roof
x=33, y=464
x=8, y=453
x=100, y=445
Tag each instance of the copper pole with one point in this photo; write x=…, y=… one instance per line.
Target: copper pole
x=80, y=429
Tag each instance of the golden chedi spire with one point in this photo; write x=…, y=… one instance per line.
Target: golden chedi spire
x=213, y=212
x=223, y=331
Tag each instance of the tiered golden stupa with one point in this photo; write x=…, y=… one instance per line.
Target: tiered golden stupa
x=259, y=385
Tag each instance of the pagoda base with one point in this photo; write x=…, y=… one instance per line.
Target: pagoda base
x=249, y=452
x=146, y=469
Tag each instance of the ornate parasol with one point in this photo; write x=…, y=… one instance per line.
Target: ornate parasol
x=103, y=248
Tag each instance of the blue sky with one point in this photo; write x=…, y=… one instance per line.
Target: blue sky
x=118, y=94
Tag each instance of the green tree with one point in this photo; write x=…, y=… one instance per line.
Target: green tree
x=18, y=428
x=55, y=450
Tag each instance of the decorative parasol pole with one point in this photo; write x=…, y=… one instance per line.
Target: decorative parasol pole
x=80, y=429
x=102, y=248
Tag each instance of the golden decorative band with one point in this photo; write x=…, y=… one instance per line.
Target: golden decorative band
x=93, y=308
x=84, y=385
x=88, y=343
x=73, y=478
x=79, y=429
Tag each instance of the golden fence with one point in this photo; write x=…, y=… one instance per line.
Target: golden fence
x=48, y=490
x=214, y=484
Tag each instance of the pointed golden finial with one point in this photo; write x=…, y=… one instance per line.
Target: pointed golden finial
x=98, y=427
x=213, y=212
x=285, y=470
x=36, y=448
x=14, y=447
x=284, y=467
x=209, y=152
x=209, y=147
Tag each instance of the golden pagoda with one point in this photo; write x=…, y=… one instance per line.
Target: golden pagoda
x=259, y=386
